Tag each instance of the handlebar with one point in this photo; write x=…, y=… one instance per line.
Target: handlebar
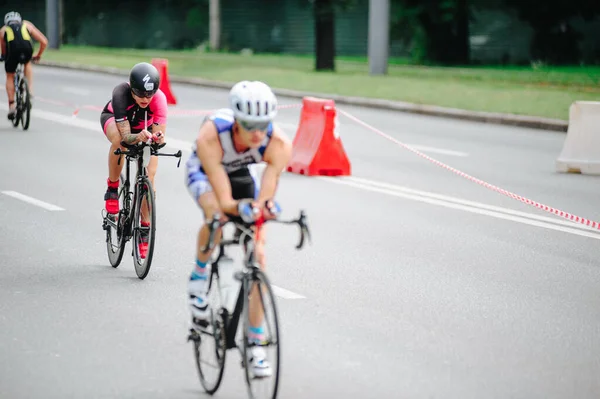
x=136, y=150
x=216, y=224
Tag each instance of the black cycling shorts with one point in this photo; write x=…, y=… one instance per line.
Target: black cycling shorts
x=17, y=57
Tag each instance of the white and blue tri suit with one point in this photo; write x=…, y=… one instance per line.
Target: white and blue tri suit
x=235, y=163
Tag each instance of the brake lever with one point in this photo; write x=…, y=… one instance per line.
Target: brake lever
x=178, y=155
x=304, y=232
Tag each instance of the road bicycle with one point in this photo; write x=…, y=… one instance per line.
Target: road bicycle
x=220, y=332
x=22, y=99
x=137, y=210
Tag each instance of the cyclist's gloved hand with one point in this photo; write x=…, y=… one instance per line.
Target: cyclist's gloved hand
x=247, y=211
x=272, y=209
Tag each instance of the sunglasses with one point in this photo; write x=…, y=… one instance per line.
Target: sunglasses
x=252, y=126
x=143, y=94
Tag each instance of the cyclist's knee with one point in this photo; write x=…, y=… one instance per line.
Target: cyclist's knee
x=209, y=204
x=113, y=135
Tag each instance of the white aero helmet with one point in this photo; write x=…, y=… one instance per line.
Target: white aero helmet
x=12, y=16
x=253, y=103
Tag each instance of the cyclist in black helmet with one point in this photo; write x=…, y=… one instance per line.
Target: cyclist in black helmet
x=136, y=113
x=17, y=48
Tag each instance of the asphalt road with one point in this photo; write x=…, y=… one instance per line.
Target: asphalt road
x=419, y=283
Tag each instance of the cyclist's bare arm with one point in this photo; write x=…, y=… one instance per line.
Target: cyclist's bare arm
x=2, y=42
x=277, y=156
x=210, y=154
x=38, y=36
x=125, y=131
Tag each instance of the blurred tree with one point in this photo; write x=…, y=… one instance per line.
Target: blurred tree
x=555, y=41
x=324, y=15
x=437, y=29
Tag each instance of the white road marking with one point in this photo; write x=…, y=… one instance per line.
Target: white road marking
x=563, y=222
x=77, y=91
x=468, y=206
x=32, y=201
x=438, y=150
x=286, y=294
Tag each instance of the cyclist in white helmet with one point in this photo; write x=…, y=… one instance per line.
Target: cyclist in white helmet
x=218, y=177
x=16, y=40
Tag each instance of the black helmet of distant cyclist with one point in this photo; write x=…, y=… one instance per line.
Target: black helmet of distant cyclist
x=12, y=16
x=144, y=79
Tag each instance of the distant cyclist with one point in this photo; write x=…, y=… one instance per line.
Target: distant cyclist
x=17, y=48
x=229, y=141
x=136, y=113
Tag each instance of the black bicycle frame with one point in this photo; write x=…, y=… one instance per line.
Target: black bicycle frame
x=129, y=203
x=246, y=276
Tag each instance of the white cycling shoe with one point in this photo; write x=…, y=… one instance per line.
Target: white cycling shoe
x=198, y=300
x=258, y=363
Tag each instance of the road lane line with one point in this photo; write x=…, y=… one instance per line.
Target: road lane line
x=32, y=201
x=438, y=150
x=470, y=203
x=447, y=204
x=285, y=294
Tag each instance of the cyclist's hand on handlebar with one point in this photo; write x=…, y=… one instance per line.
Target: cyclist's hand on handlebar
x=248, y=210
x=144, y=136
x=158, y=138
x=270, y=209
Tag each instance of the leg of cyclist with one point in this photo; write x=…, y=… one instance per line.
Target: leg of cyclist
x=10, y=92
x=198, y=283
x=258, y=357
x=111, y=197
x=28, y=70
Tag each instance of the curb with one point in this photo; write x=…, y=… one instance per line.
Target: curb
x=533, y=122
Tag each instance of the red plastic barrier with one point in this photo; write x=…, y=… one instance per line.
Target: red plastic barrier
x=317, y=147
x=165, y=86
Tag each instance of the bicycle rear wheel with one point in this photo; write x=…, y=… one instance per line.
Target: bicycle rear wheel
x=25, y=104
x=114, y=226
x=144, y=228
x=267, y=344
x=210, y=343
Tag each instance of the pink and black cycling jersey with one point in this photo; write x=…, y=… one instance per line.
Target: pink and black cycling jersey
x=123, y=107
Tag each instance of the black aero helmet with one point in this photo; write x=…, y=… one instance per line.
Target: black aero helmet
x=144, y=79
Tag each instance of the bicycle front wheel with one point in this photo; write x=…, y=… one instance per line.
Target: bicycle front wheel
x=144, y=228
x=114, y=226
x=261, y=338
x=25, y=104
